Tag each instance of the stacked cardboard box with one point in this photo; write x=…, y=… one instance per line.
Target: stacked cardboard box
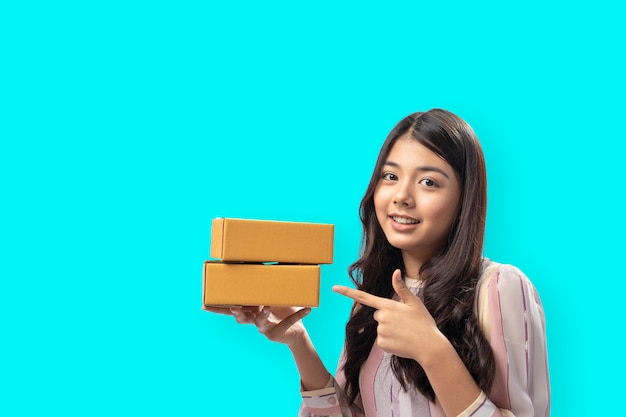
x=266, y=262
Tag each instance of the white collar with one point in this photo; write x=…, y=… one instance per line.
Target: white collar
x=413, y=283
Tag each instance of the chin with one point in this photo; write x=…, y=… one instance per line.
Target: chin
x=403, y=246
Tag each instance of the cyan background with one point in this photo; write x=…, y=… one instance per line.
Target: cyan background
x=125, y=127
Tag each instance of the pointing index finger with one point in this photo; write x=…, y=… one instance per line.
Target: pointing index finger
x=362, y=297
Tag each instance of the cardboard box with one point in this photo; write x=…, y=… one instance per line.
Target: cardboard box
x=239, y=240
x=258, y=284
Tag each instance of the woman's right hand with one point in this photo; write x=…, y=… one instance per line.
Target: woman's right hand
x=278, y=324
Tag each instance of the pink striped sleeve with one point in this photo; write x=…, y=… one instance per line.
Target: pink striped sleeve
x=518, y=339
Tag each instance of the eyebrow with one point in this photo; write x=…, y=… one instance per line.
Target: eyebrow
x=427, y=168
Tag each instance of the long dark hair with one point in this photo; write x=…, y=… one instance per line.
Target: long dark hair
x=449, y=277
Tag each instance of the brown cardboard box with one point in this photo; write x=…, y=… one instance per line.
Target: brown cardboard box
x=242, y=240
x=258, y=284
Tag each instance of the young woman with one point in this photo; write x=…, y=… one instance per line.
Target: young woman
x=436, y=329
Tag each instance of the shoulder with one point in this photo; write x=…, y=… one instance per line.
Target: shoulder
x=511, y=299
x=506, y=281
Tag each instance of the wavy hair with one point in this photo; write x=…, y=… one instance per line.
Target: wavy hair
x=450, y=276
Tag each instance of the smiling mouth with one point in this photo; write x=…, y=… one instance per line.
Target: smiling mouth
x=404, y=220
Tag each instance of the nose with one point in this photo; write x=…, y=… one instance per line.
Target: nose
x=403, y=194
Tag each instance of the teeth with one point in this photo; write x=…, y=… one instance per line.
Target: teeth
x=404, y=220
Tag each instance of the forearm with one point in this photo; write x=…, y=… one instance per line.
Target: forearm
x=313, y=373
x=453, y=384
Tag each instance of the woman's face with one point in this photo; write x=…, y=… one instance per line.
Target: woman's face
x=416, y=199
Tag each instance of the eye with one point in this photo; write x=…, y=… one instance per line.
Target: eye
x=388, y=176
x=428, y=182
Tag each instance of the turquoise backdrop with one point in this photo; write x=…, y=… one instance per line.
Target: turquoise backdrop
x=125, y=127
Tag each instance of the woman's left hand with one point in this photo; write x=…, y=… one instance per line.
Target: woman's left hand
x=405, y=327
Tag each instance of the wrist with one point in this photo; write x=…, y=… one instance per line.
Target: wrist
x=438, y=350
x=299, y=342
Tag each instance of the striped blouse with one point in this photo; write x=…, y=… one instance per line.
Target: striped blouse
x=510, y=314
